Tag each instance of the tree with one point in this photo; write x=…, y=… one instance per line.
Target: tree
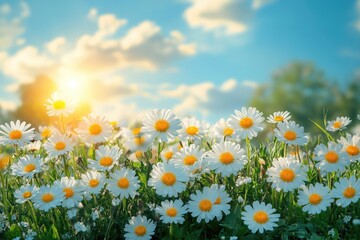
x=33, y=97
x=304, y=91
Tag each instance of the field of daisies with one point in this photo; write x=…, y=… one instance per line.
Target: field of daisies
x=168, y=178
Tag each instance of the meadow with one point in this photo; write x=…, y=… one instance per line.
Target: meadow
x=163, y=177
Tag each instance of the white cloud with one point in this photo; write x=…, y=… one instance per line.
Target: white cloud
x=11, y=28
x=256, y=4
x=357, y=22
x=55, y=45
x=208, y=98
x=93, y=14
x=7, y=105
x=28, y=63
x=230, y=16
x=108, y=24
x=5, y=8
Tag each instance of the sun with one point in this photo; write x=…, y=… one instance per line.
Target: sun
x=75, y=88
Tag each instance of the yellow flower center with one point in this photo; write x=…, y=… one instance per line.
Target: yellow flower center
x=59, y=104
x=315, y=199
x=228, y=131
x=27, y=194
x=331, y=157
x=123, y=183
x=15, y=134
x=168, y=155
x=287, y=175
x=69, y=192
x=190, y=160
x=290, y=135
x=140, y=230
x=95, y=129
x=205, y=205
x=352, y=150
x=168, y=178
x=47, y=197
x=46, y=133
x=279, y=118
x=106, y=161
x=246, y=122
x=349, y=192
x=30, y=167
x=171, y=212
x=162, y=125
x=217, y=201
x=136, y=131
x=139, y=140
x=93, y=183
x=193, y=130
x=226, y=158
x=261, y=217
x=337, y=124
x=138, y=154
x=4, y=161
x=60, y=146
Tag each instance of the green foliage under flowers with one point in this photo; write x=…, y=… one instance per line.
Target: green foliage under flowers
x=293, y=223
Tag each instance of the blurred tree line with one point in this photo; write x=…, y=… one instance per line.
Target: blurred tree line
x=306, y=92
x=33, y=97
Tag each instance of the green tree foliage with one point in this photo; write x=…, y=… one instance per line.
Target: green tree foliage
x=303, y=90
x=33, y=97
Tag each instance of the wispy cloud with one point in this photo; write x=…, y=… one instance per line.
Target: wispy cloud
x=226, y=16
x=12, y=27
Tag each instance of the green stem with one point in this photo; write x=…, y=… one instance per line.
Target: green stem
x=33, y=214
x=4, y=197
x=171, y=231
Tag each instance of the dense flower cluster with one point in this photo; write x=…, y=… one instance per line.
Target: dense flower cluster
x=165, y=171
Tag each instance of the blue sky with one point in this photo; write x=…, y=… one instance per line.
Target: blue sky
x=197, y=57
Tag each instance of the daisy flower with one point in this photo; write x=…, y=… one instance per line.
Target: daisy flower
x=291, y=133
x=223, y=131
x=161, y=124
x=48, y=197
x=136, y=139
x=59, y=105
x=94, y=129
x=33, y=146
x=347, y=190
x=189, y=158
x=351, y=145
x=277, y=117
x=93, y=181
x=222, y=199
x=45, y=132
x=106, y=158
x=226, y=158
x=338, y=124
x=330, y=158
x=72, y=190
x=260, y=217
x=25, y=193
x=314, y=199
x=27, y=166
x=247, y=122
x=167, y=179
x=139, y=228
x=168, y=153
x=4, y=161
x=58, y=144
x=202, y=205
x=123, y=183
x=191, y=129
x=286, y=174
x=17, y=133
x=172, y=211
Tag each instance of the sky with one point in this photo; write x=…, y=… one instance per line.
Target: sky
x=197, y=57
